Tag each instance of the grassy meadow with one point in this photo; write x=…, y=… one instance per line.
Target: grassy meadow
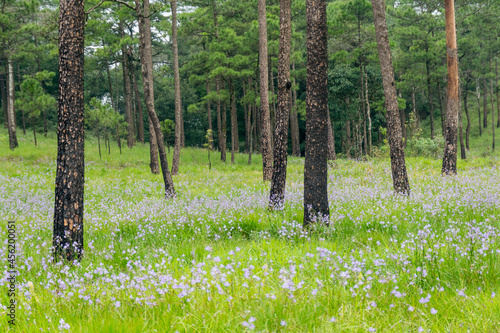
x=214, y=259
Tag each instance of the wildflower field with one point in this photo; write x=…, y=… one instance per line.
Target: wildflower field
x=216, y=260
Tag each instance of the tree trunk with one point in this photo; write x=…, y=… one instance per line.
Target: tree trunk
x=294, y=120
x=467, y=130
x=368, y=115
x=99, y=144
x=348, y=138
x=224, y=131
x=147, y=78
x=331, y=138
x=11, y=114
x=485, y=104
x=278, y=182
x=251, y=114
x=22, y=110
x=443, y=111
x=398, y=164
x=127, y=93
x=452, y=105
x=177, y=89
x=118, y=140
x=34, y=131
x=402, y=114
x=68, y=207
x=362, y=102
x=222, y=147
x=463, y=156
x=492, y=108
x=3, y=92
x=245, y=113
x=209, y=118
x=498, y=100
x=234, y=121
x=429, y=94
x=110, y=87
x=140, y=115
x=316, y=168
x=265, y=142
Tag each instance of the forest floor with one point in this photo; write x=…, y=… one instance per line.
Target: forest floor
x=216, y=260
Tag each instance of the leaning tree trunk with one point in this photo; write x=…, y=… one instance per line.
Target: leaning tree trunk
x=398, y=163
x=316, y=167
x=452, y=105
x=127, y=92
x=177, y=90
x=278, y=181
x=11, y=115
x=68, y=208
x=140, y=117
x=265, y=142
x=147, y=78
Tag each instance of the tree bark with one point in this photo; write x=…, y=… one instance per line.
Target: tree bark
x=294, y=120
x=478, y=95
x=498, y=100
x=402, y=114
x=316, y=168
x=224, y=131
x=348, y=138
x=11, y=114
x=485, y=104
x=127, y=94
x=69, y=188
x=265, y=142
x=331, y=138
x=22, y=110
x=463, y=156
x=452, y=105
x=492, y=108
x=234, y=121
x=110, y=87
x=118, y=140
x=368, y=115
x=177, y=89
x=278, y=182
x=3, y=92
x=443, y=111
x=34, y=130
x=147, y=78
x=209, y=118
x=140, y=116
x=467, y=130
x=429, y=94
x=398, y=163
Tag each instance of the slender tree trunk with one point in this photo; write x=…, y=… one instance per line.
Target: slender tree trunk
x=257, y=130
x=294, y=120
x=429, y=94
x=3, y=92
x=316, y=168
x=140, y=116
x=398, y=164
x=219, y=123
x=278, y=182
x=331, y=138
x=245, y=113
x=110, y=86
x=209, y=118
x=118, y=140
x=127, y=93
x=34, y=131
x=69, y=188
x=463, y=156
x=348, y=138
x=362, y=102
x=234, y=121
x=492, y=108
x=11, y=114
x=498, y=100
x=467, y=130
x=147, y=77
x=452, y=105
x=485, y=104
x=442, y=108
x=265, y=142
x=22, y=110
x=368, y=115
x=99, y=144
x=177, y=89
x=251, y=114
x=224, y=129
x=402, y=114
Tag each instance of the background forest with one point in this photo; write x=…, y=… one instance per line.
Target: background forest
x=220, y=39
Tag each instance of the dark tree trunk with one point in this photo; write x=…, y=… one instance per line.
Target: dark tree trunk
x=147, y=78
x=251, y=114
x=22, y=110
x=177, y=91
x=246, y=121
x=368, y=115
x=478, y=95
x=99, y=144
x=467, y=130
x=68, y=207
x=398, y=163
x=278, y=182
x=127, y=94
x=209, y=118
x=118, y=140
x=140, y=116
x=294, y=120
x=485, y=104
x=257, y=128
x=498, y=100
x=11, y=114
x=316, y=168
x=492, y=108
x=463, y=156
x=429, y=94
x=443, y=111
x=219, y=123
x=452, y=104
x=224, y=131
x=234, y=121
x=265, y=119
x=3, y=92
x=34, y=131
x=331, y=138
x=348, y=145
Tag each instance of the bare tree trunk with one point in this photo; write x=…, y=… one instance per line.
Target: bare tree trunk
x=11, y=115
x=492, y=108
x=140, y=117
x=127, y=94
x=147, y=78
x=222, y=146
x=294, y=120
x=177, y=88
x=251, y=114
x=209, y=118
x=402, y=114
x=460, y=125
x=498, y=100
x=362, y=102
x=224, y=130
x=22, y=110
x=485, y=104
x=278, y=182
x=316, y=167
x=273, y=113
x=398, y=164
x=246, y=122
x=331, y=138
x=68, y=207
x=3, y=92
x=443, y=111
x=234, y=121
x=348, y=138
x=467, y=130
x=265, y=142
x=429, y=94
x=118, y=140
x=34, y=131
x=368, y=115
x=452, y=105
x=110, y=87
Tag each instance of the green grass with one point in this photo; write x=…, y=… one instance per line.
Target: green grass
x=215, y=256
